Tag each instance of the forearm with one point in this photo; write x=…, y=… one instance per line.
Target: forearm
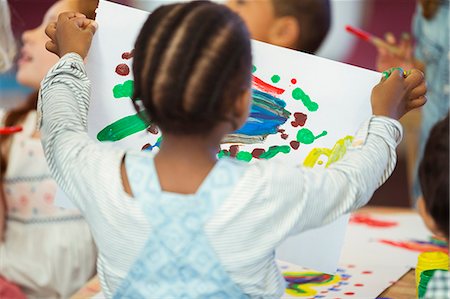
x=73, y=158
x=323, y=195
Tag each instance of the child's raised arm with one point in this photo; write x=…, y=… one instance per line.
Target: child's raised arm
x=306, y=198
x=78, y=164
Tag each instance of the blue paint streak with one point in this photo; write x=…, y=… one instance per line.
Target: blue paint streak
x=263, y=120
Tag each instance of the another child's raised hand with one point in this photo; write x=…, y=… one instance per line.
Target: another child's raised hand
x=72, y=32
x=396, y=95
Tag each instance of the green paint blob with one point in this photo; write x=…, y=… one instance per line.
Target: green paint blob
x=244, y=156
x=124, y=90
x=299, y=94
x=275, y=78
x=254, y=69
x=275, y=150
x=222, y=154
x=124, y=127
x=305, y=136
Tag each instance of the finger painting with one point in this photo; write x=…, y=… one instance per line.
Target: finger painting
x=349, y=281
x=431, y=245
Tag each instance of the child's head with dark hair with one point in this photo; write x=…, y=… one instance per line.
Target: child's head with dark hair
x=433, y=175
x=297, y=24
x=192, y=66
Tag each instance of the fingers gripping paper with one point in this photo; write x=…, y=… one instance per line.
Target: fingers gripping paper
x=305, y=110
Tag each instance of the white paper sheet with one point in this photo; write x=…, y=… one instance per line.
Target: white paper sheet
x=350, y=281
x=337, y=102
x=369, y=245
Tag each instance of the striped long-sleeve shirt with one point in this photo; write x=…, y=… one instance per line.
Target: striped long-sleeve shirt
x=272, y=201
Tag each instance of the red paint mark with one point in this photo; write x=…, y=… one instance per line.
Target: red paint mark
x=294, y=144
x=266, y=87
x=416, y=246
x=366, y=272
x=123, y=69
x=359, y=285
x=128, y=55
x=372, y=222
x=349, y=293
x=146, y=147
x=284, y=136
x=281, y=130
x=300, y=119
x=234, y=149
x=257, y=152
x=294, y=81
x=153, y=129
x=324, y=292
x=351, y=266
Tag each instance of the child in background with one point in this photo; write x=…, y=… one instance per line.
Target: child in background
x=46, y=251
x=433, y=205
x=181, y=220
x=297, y=24
x=431, y=29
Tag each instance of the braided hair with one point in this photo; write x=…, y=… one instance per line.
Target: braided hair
x=191, y=62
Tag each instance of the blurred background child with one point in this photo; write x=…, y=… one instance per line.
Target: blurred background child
x=431, y=29
x=433, y=205
x=46, y=251
x=299, y=25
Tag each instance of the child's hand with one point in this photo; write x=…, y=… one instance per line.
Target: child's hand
x=72, y=32
x=396, y=95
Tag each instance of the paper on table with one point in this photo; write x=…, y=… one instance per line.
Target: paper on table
x=312, y=102
x=350, y=281
x=363, y=244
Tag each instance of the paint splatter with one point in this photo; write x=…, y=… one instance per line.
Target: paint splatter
x=124, y=90
x=254, y=69
x=123, y=69
x=149, y=147
x=128, y=55
x=371, y=222
x=294, y=144
x=267, y=114
x=260, y=153
x=153, y=129
x=299, y=94
x=244, y=156
x=300, y=119
x=266, y=87
x=349, y=293
x=294, y=81
x=417, y=245
x=305, y=136
x=257, y=152
x=124, y=127
x=275, y=78
x=335, y=154
x=304, y=284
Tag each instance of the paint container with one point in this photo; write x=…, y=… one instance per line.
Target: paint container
x=425, y=278
x=430, y=261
